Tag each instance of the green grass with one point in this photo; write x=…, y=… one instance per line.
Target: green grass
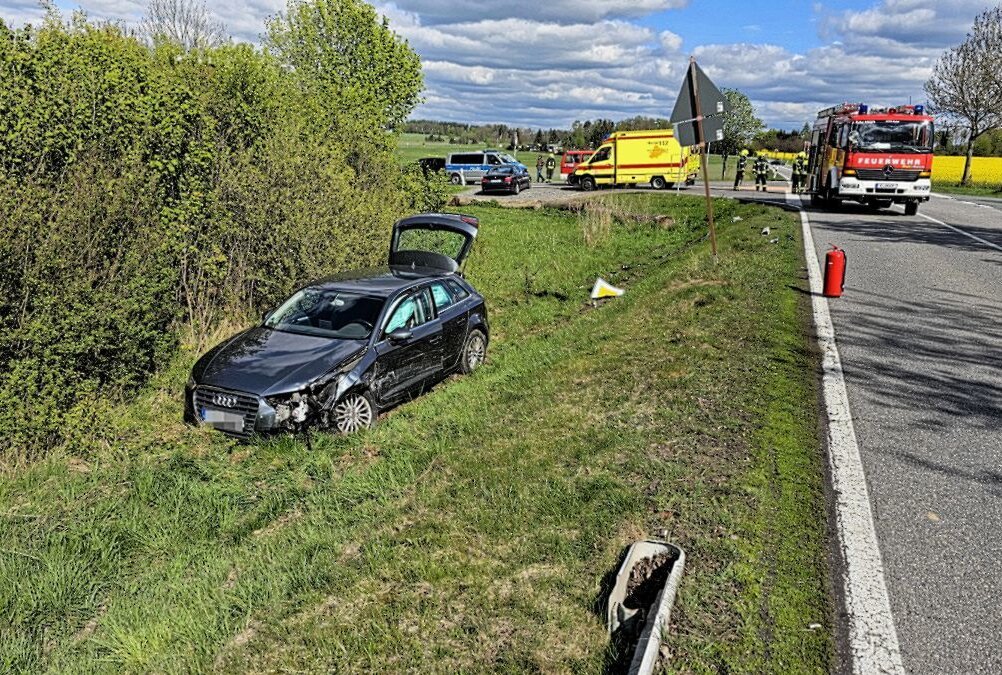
x=971, y=190
x=471, y=530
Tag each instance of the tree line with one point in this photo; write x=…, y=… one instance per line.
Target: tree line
x=151, y=189
x=965, y=89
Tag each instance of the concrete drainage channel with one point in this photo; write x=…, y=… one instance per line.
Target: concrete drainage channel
x=640, y=603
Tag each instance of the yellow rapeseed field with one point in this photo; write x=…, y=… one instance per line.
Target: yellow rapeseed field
x=984, y=170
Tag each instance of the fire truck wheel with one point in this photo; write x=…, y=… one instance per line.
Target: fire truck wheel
x=659, y=183
x=911, y=208
x=830, y=199
x=588, y=184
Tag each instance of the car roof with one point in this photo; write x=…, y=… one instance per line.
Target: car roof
x=381, y=282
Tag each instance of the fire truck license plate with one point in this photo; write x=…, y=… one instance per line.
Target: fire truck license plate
x=887, y=186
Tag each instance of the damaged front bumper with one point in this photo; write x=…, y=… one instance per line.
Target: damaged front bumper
x=241, y=415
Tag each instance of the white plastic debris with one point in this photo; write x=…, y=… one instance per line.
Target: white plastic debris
x=603, y=289
x=736, y=219
x=766, y=231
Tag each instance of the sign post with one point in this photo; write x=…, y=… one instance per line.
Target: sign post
x=698, y=120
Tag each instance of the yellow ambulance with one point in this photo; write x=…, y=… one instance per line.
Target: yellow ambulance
x=633, y=157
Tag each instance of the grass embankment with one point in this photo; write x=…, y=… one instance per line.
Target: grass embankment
x=472, y=529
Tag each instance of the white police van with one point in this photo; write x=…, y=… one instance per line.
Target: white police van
x=472, y=166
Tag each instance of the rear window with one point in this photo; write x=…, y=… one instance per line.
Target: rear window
x=437, y=241
x=501, y=171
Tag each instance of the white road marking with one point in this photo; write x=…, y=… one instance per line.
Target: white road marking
x=873, y=638
x=963, y=232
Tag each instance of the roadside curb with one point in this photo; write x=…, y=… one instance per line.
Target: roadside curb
x=648, y=649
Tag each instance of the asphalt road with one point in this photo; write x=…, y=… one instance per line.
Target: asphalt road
x=920, y=334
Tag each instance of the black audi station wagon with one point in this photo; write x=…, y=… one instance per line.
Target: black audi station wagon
x=340, y=350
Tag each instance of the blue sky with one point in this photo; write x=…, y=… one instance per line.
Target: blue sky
x=549, y=62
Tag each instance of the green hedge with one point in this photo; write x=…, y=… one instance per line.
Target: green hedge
x=146, y=193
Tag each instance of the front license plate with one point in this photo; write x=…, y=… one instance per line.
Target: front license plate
x=887, y=186
x=220, y=419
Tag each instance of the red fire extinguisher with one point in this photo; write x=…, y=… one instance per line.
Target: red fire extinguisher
x=834, y=272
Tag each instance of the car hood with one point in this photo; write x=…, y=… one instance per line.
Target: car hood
x=266, y=362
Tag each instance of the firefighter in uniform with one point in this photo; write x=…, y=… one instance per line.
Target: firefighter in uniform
x=761, y=168
x=739, y=173
x=799, y=173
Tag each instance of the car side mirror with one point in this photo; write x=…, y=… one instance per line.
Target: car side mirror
x=399, y=335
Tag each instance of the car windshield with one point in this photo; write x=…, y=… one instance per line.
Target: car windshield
x=327, y=313
x=891, y=136
x=509, y=159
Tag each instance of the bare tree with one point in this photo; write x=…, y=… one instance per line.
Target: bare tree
x=185, y=22
x=965, y=86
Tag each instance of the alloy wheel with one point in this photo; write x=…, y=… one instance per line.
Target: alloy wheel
x=476, y=350
x=353, y=413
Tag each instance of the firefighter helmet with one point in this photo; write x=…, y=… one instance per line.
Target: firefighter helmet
x=744, y=153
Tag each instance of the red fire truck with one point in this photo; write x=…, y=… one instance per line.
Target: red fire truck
x=875, y=156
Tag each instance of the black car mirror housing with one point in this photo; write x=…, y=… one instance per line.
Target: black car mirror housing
x=399, y=335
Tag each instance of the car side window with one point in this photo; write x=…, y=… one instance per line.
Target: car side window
x=443, y=298
x=408, y=314
x=458, y=292
x=493, y=160
x=424, y=300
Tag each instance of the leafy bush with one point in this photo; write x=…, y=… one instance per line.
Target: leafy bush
x=147, y=192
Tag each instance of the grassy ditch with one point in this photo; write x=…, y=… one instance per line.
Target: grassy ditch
x=473, y=529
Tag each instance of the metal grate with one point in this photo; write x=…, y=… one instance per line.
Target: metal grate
x=896, y=174
x=219, y=400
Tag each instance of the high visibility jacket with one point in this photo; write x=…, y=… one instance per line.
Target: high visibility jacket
x=761, y=166
x=742, y=161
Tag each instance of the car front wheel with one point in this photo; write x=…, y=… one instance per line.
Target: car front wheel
x=354, y=412
x=455, y=179
x=659, y=183
x=474, y=351
x=588, y=184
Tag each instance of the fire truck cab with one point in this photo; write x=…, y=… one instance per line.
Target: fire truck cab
x=875, y=156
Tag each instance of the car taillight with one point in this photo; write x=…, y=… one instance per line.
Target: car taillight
x=507, y=179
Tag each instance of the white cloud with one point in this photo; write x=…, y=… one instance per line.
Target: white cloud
x=670, y=42
x=549, y=63
x=434, y=12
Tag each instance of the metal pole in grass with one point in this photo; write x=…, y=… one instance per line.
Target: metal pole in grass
x=703, y=149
